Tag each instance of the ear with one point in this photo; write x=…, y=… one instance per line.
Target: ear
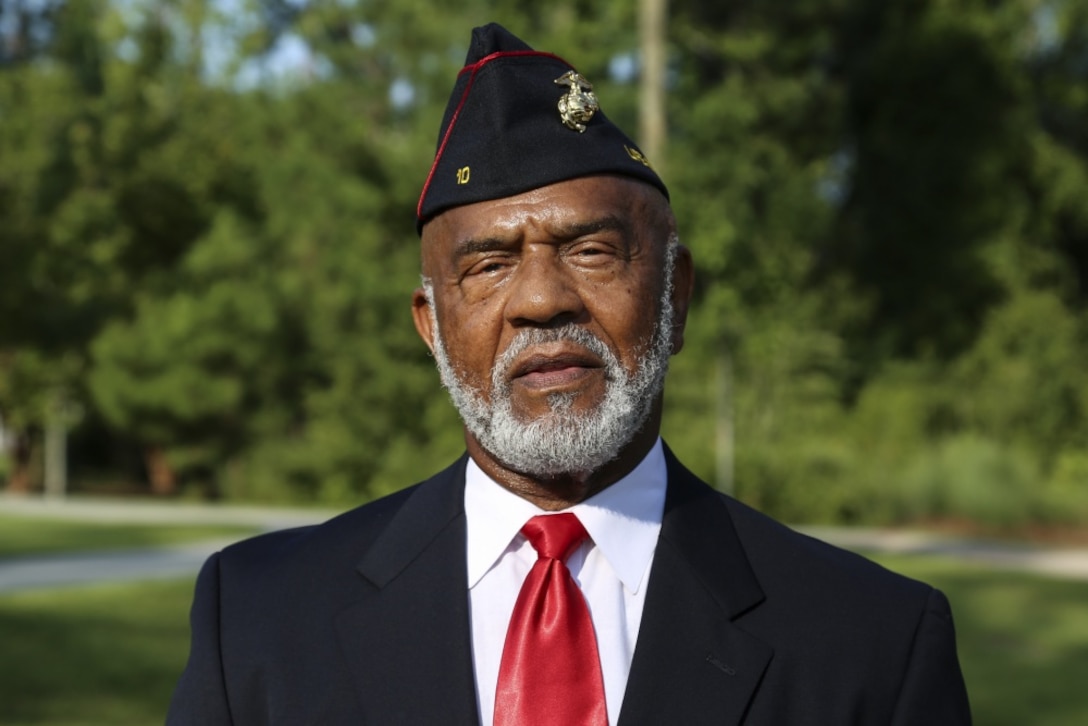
x=421, y=315
x=683, y=286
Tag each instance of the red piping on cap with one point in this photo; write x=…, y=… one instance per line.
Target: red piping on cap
x=473, y=68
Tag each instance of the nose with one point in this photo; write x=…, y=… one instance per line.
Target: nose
x=543, y=292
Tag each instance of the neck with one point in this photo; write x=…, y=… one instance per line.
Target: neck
x=565, y=490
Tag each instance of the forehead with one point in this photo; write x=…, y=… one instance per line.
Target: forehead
x=617, y=202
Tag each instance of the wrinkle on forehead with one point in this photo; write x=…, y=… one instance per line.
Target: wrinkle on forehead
x=562, y=230
x=560, y=211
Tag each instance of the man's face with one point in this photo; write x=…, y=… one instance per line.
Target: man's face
x=552, y=315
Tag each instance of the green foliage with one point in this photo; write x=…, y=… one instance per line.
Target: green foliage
x=902, y=308
x=1027, y=376
x=884, y=202
x=972, y=478
x=264, y=349
x=1064, y=495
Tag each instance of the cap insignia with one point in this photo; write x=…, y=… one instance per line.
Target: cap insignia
x=638, y=156
x=579, y=103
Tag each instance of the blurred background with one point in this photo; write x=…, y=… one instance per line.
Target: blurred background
x=207, y=250
x=207, y=240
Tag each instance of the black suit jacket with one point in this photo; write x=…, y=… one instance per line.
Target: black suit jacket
x=364, y=620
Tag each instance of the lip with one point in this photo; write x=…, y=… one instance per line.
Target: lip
x=543, y=369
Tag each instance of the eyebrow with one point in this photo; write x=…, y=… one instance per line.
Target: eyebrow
x=483, y=244
x=610, y=223
x=573, y=230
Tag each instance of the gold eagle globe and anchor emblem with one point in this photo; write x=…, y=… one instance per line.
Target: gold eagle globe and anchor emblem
x=579, y=103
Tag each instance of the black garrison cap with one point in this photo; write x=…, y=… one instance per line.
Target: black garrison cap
x=519, y=119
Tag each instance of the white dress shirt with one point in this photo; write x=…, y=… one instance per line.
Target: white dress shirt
x=612, y=568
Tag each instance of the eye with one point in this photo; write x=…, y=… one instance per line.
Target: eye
x=592, y=253
x=489, y=265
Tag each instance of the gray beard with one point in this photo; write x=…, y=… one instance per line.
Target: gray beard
x=563, y=441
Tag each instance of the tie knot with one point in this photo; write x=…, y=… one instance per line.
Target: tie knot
x=554, y=536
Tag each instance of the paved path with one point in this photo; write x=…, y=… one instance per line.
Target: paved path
x=107, y=566
x=142, y=511
x=1065, y=562
x=68, y=569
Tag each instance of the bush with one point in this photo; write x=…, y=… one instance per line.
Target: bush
x=970, y=477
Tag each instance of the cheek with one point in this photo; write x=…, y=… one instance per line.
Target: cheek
x=628, y=318
x=471, y=342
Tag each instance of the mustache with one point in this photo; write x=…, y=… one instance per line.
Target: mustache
x=567, y=333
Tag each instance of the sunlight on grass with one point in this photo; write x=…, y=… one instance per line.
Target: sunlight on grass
x=1023, y=641
x=111, y=655
x=102, y=655
x=25, y=535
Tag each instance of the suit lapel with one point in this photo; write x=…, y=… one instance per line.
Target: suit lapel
x=407, y=640
x=692, y=664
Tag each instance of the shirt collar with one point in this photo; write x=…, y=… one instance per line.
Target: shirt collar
x=623, y=520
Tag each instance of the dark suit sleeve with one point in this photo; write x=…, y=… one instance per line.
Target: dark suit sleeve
x=933, y=691
x=200, y=697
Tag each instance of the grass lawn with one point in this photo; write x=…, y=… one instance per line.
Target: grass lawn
x=30, y=535
x=1023, y=641
x=111, y=655
x=92, y=656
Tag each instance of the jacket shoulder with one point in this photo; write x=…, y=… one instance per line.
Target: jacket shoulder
x=298, y=554
x=847, y=631
x=333, y=540
x=782, y=556
x=785, y=562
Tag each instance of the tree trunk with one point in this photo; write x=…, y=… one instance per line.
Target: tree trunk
x=164, y=481
x=22, y=477
x=653, y=17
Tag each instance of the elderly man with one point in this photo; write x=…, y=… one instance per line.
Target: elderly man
x=568, y=569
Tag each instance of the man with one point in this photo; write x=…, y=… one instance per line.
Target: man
x=554, y=293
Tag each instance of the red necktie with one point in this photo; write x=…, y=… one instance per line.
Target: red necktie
x=550, y=671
